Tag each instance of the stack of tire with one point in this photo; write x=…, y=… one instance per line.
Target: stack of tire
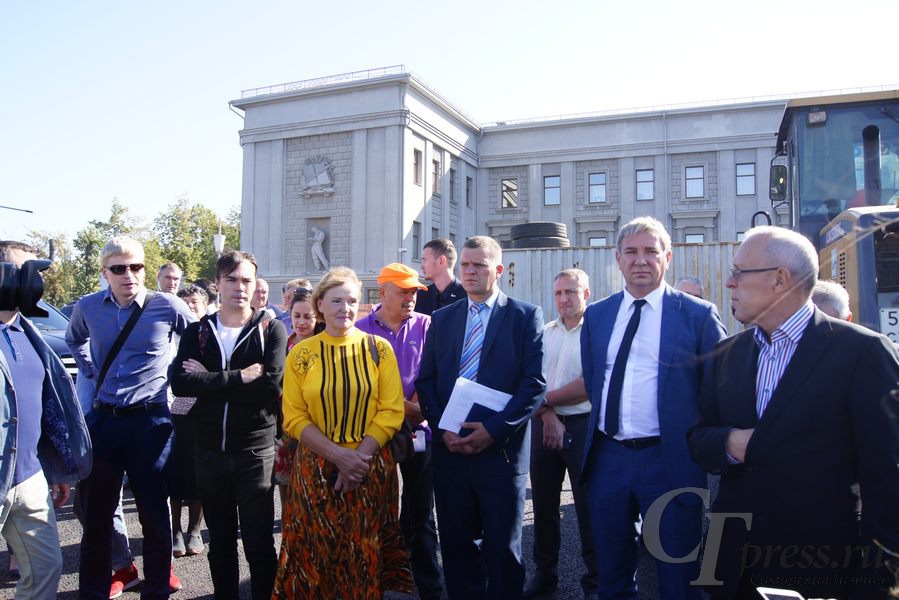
x=540, y=234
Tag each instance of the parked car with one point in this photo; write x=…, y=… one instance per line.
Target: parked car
x=53, y=328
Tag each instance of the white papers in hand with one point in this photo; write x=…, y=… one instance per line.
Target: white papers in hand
x=467, y=393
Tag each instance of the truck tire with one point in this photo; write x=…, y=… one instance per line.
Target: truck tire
x=539, y=229
x=542, y=242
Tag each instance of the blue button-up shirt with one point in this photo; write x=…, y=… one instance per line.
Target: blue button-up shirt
x=28, y=379
x=138, y=375
x=775, y=354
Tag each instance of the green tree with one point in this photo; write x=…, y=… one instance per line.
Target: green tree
x=90, y=241
x=59, y=279
x=185, y=234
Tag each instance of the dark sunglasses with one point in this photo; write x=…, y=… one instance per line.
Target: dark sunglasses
x=301, y=294
x=120, y=269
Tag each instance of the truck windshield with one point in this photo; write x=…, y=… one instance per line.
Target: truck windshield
x=849, y=145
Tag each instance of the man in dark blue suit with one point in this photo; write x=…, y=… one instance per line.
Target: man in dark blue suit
x=480, y=471
x=644, y=351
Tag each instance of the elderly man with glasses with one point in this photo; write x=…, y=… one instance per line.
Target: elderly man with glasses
x=120, y=338
x=796, y=417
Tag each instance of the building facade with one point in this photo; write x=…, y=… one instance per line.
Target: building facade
x=381, y=163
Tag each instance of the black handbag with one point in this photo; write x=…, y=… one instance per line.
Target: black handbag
x=401, y=445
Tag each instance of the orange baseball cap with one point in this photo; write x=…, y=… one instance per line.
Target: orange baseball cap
x=400, y=275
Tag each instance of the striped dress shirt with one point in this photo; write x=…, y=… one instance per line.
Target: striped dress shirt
x=775, y=355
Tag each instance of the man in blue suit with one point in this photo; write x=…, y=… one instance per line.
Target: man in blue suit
x=480, y=471
x=644, y=351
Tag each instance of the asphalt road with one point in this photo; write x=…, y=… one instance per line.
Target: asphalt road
x=194, y=571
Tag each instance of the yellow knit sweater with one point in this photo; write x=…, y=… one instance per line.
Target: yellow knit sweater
x=333, y=383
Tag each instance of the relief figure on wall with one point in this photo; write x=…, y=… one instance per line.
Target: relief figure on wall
x=318, y=252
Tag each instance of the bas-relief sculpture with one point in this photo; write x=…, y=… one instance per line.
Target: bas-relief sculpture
x=318, y=252
x=318, y=177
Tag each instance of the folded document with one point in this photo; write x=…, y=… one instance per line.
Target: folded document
x=466, y=395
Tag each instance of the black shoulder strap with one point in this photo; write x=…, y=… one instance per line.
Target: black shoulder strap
x=120, y=341
x=372, y=347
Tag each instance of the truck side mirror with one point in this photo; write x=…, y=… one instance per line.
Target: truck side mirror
x=778, y=178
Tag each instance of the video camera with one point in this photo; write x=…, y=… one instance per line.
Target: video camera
x=21, y=287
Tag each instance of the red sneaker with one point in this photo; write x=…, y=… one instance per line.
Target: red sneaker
x=174, y=582
x=124, y=579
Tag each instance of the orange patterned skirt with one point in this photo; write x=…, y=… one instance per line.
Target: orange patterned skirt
x=345, y=546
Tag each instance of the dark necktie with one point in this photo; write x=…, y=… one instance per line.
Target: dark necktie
x=616, y=381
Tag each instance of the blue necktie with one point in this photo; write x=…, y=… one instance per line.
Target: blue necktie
x=14, y=351
x=474, y=340
x=616, y=381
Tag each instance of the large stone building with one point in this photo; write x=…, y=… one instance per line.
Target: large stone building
x=381, y=163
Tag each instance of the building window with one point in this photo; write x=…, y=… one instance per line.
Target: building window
x=746, y=179
x=510, y=193
x=741, y=235
x=596, y=182
x=416, y=240
x=436, y=175
x=695, y=180
x=452, y=174
x=452, y=238
x=595, y=242
x=416, y=167
x=645, y=184
x=694, y=238
x=469, y=190
x=552, y=190
x=435, y=233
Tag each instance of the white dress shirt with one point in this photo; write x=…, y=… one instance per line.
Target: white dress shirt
x=562, y=361
x=640, y=389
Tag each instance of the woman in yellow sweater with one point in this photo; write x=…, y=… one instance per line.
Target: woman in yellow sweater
x=340, y=529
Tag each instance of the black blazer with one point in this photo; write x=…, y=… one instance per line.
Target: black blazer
x=830, y=424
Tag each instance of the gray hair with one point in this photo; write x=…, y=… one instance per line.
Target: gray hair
x=831, y=294
x=641, y=224
x=790, y=250
x=121, y=244
x=690, y=279
x=582, y=278
x=169, y=265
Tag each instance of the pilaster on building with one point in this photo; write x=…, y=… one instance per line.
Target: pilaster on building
x=382, y=163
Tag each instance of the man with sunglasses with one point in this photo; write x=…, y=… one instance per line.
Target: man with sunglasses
x=130, y=424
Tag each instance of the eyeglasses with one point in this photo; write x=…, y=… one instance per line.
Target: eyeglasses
x=736, y=273
x=120, y=269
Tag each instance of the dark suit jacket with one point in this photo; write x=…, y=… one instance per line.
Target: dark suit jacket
x=829, y=425
x=690, y=330
x=511, y=361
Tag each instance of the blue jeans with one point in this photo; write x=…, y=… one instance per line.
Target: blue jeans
x=139, y=444
x=121, y=551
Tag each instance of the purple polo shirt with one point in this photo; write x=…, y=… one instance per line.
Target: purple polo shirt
x=408, y=343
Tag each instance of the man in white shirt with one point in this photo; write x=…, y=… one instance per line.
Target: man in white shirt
x=558, y=433
x=644, y=351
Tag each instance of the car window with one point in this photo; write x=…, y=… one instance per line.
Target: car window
x=54, y=320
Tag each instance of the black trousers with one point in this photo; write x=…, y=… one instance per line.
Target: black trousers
x=547, y=476
x=417, y=523
x=237, y=493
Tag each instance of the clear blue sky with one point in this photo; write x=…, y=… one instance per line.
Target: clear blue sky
x=130, y=100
